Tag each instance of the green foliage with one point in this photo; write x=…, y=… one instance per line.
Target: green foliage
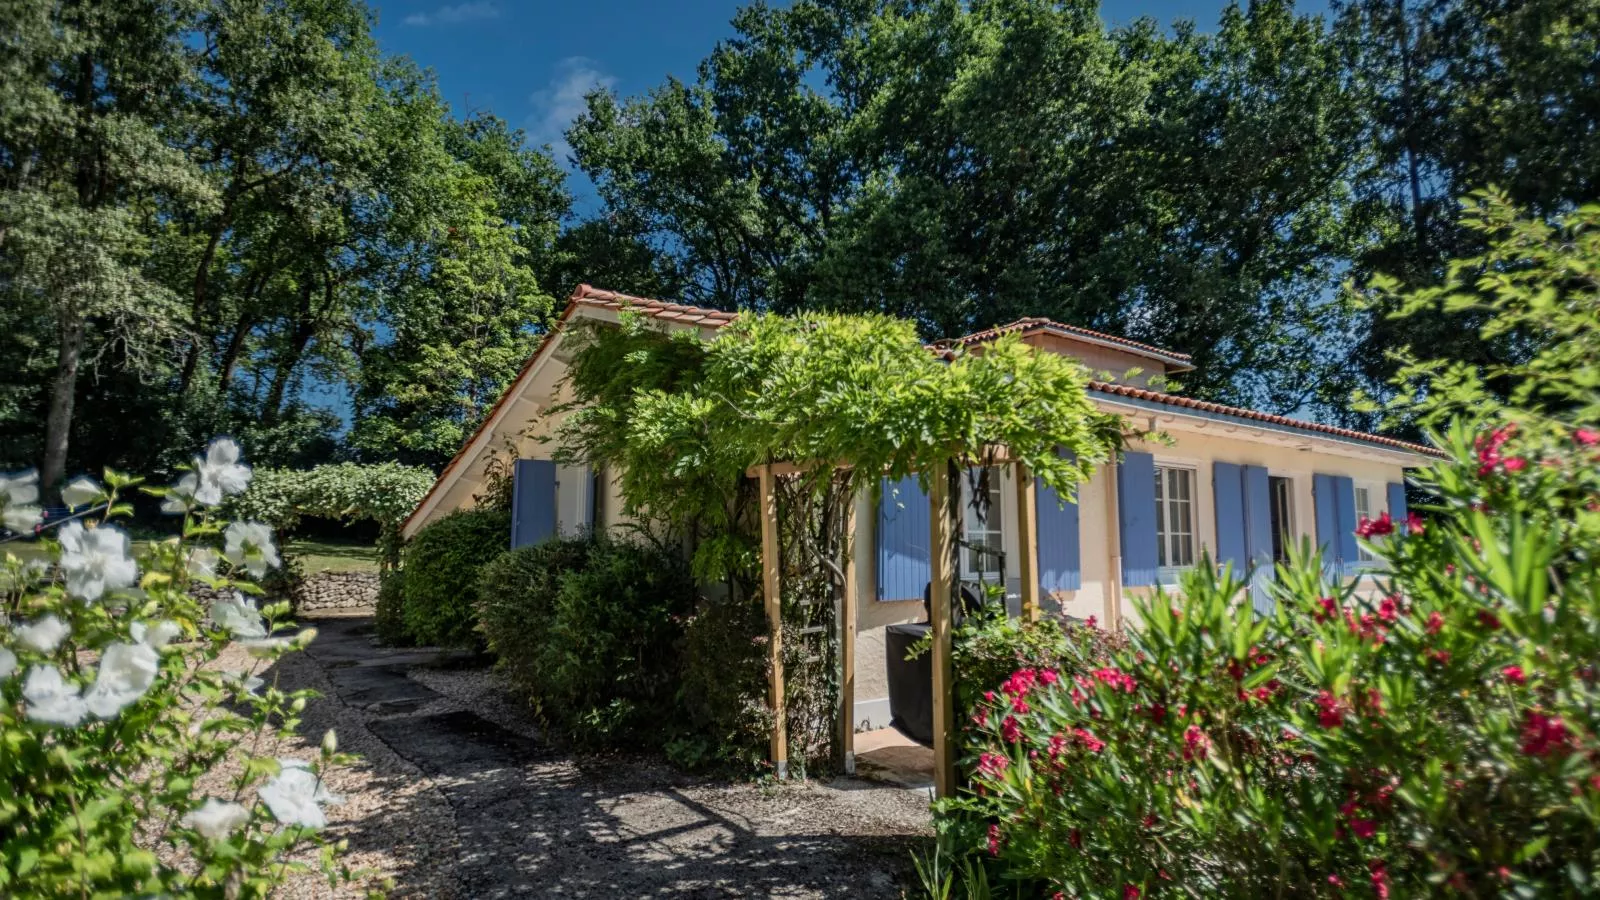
x=389, y=617
x=601, y=653
x=517, y=595
x=385, y=493
x=724, y=692
x=845, y=391
x=441, y=565
x=103, y=775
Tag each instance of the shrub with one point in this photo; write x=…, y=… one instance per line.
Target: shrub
x=390, y=616
x=1441, y=736
x=516, y=605
x=611, y=666
x=724, y=692
x=442, y=564
x=105, y=676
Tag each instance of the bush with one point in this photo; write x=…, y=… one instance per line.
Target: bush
x=389, y=619
x=107, y=670
x=1441, y=736
x=591, y=632
x=724, y=692
x=516, y=606
x=442, y=564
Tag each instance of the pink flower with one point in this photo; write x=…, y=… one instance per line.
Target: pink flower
x=1330, y=710
x=1010, y=730
x=1020, y=683
x=992, y=765
x=1115, y=678
x=1380, y=878
x=1129, y=892
x=1364, y=828
x=1514, y=464
x=1195, y=743
x=1587, y=437
x=1544, y=735
x=1094, y=744
x=994, y=840
x=1378, y=527
x=1413, y=523
x=1336, y=881
x=1435, y=622
x=1389, y=609
x=1488, y=619
x=1514, y=675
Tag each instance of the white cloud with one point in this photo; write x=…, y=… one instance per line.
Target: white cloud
x=455, y=14
x=561, y=101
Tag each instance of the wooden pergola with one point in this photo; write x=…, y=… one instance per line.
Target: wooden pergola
x=944, y=523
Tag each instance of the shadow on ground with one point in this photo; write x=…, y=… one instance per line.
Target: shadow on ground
x=532, y=821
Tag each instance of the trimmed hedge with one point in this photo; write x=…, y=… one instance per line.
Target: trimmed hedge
x=516, y=602
x=442, y=566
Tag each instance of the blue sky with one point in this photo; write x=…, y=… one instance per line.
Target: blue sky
x=531, y=61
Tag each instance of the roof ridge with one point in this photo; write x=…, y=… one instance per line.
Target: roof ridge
x=1044, y=321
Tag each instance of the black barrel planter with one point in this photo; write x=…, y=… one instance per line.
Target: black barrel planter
x=910, y=683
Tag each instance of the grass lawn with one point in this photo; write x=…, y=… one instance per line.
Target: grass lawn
x=327, y=556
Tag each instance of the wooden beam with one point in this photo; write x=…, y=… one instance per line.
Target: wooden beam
x=941, y=541
x=1028, y=540
x=771, y=584
x=847, y=645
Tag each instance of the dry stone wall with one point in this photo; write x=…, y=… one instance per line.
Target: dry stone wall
x=337, y=590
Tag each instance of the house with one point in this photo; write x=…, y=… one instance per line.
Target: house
x=1238, y=485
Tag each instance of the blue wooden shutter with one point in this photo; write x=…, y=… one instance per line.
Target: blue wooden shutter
x=1397, y=503
x=1059, y=565
x=1323, y=497
x=1227, y=493
x=1136, y=514
x=1344, y=489
x=1258, y=533
x=904, y=563
x=533, y=501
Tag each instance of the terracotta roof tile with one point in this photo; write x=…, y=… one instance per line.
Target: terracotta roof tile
x=1038, y=323
x=1145, y=394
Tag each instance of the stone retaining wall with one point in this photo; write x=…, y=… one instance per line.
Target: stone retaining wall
x=337, y=590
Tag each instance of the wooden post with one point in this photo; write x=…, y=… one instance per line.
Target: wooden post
x=771, y=562
x=1028, y=539
x=847, y=645
x=941, y=543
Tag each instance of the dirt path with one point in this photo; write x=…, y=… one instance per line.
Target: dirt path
x=456, y=796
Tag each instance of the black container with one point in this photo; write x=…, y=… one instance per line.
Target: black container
x=910, y=683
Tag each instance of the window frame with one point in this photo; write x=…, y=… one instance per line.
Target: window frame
x=994, y=524
x=1287, y=535
x=1167, y=571
x=1360, y=492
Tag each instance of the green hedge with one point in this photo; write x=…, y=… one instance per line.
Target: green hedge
x=442, y=565
x=591, y=633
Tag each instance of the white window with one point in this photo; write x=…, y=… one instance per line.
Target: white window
x=1363, y=511
x=1281, y=491
x=1174, y=517
x=982, y=531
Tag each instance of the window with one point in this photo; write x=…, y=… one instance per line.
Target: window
x=1364, y=511
x=983, y=530
x=1281, y=491
x=1174, y=517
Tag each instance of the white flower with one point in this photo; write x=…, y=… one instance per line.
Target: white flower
x=203, y=563
x=180, y=497
x=19, y=495
x=250, y=683
x=295, y=796
x=49, y=699
x=95, y=560
x=155, y=636
x=80, y=491
x=8, y=663
x=126, y=673
x=43, y=636
x=250, y=544
x=221, y=473
x=216, y=819
x=265, y=648
x=239, y=616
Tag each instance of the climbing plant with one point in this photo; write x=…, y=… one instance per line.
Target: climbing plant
x=849, y=399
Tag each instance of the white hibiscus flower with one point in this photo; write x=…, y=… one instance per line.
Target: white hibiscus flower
x=295, y=795
x=249, y=544
x=239, y=616
x=180, y=497
x=249, y=682
x=19, y=497
x=126, y=673
x=203, y=563
x=216, y=819
x=155, y=636
x=80, y=491
x=95, y=560
x=221, y=473
x=8, y=663
x=50, y=700
x=43, y=636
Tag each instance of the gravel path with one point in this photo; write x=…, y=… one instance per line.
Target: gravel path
x=456, y=796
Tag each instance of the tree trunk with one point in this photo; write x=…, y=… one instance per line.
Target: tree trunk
x=1419, y=215
x=63, y=393
x=230, y=354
